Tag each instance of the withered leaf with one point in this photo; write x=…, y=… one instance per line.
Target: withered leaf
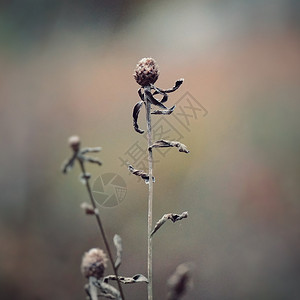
x=178, y=83
x=68, y=165
x=164, y=112
x=165, y=98
x=92, y=289
x=135, y=115
x=106, y=289
x=134, y=279
x=141, y=94
x=153, y=100
x=108, y=296
x=142, y=174
x=90, y=150
x=119, y=248
x=91, y=160
x=165, y=143
x=173, y=217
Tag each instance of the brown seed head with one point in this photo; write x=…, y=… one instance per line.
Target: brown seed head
x=74, y=142
x=94, y=263
x=146, y=72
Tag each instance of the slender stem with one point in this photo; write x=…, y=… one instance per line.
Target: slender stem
x=88, y=187
x=150, y=195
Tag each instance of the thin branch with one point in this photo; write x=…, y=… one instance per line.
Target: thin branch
x=68, y=165
x=88, y=187
x=147, y=92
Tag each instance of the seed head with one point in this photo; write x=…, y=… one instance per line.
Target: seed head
x=94, y=263
x=146, y=72
x=74, y=142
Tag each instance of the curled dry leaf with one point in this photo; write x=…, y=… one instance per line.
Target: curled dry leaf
x=91, y=160
x=178, y=83
x=142, y=174
x=141, y=94
x=153, y=100
x=108, y=296
x=164, y=99
x=68, y=165
x=90, y=150
x=165, y=143
x=173, y=217
x=135, y=115
x=106, y=289
x=79, y=154
x=164, y=112
x=92, y=289
x=119, y=248
x=134, y=279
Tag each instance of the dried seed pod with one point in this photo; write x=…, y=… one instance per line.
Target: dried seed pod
x=146, y=72
x=74, y=142
x=94, y=263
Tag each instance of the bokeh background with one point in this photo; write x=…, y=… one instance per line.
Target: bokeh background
x=66, y=68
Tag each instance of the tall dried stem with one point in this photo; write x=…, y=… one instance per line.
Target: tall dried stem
x=145, y=74
x=150, y=195
x=88, y=187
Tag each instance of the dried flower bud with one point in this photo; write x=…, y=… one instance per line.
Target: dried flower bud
x=94, y=263
x=74, y=142
x=146, y=72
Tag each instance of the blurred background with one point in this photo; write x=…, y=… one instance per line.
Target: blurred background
x=66, y=68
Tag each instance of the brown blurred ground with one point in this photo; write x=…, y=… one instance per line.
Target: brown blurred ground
x=70, y=71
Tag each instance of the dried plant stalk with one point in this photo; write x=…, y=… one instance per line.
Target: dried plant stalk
x=79, y=155
x=146, y=74
x=150, y=195
x=89, y=190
